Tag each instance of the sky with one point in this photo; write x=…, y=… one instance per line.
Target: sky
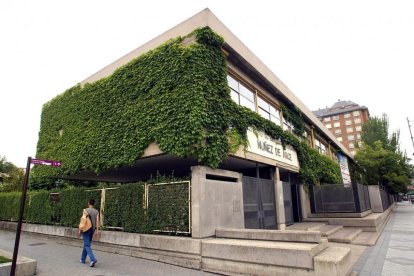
x=324, y=51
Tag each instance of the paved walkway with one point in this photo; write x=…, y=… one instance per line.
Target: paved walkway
x=58, y=259
x=394, y=252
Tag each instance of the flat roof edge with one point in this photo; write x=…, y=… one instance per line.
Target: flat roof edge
x=207, y=18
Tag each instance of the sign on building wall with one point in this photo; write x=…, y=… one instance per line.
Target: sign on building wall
x=343, y=164
x=262, y=144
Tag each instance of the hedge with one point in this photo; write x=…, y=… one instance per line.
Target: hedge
x=124, y=207
x=9, y=206
x=40, y=209
x=173, y=197
x=177, y=96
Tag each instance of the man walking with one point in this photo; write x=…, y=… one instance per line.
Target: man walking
x=88, y=235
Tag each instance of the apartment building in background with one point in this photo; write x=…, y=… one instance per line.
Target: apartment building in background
x=345, y=120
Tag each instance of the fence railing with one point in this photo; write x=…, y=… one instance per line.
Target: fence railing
x=363, y=196
x=336, y=198
x=333, y=199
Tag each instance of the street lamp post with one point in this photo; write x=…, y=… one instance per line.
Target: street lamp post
x=409, y=127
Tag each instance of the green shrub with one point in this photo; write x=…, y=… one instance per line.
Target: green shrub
x=10, y=206
x=168, y=207
x=39, y=209
x=73, y=201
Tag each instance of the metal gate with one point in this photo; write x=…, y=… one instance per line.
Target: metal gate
x=259, y=203
x=287, y=202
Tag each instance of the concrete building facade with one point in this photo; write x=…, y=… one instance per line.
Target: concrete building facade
x=255, y=186
x=345, y=120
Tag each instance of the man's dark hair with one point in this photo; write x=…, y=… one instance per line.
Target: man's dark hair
x=91, y=201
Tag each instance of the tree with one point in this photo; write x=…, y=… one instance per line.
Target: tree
x=12, y=177
x=384, y=166
x=376, y=129
x=380, y=157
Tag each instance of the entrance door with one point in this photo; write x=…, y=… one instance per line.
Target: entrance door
x=259, y=203
x=287, y=202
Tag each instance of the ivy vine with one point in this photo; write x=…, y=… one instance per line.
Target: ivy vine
x=176, y=96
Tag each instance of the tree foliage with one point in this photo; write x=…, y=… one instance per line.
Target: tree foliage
x=11, y=176
x=380, y=158
x=377, y=129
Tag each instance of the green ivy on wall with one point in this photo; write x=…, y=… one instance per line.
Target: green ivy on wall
x=176, y=96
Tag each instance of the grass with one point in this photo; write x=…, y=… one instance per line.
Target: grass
x=4, y=260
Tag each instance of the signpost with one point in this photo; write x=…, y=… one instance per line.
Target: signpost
x=22, y=204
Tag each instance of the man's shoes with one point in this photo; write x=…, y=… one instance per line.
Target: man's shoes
x=82, y=262
x=93, y=263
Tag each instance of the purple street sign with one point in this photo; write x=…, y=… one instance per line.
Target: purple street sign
x=46, y=162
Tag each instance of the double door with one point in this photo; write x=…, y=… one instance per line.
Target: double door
x=259, y=203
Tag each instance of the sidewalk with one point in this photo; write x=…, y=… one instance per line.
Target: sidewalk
x=58, y=259
x=394, y=252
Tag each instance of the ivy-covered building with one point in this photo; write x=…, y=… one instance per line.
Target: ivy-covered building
x=193, y=96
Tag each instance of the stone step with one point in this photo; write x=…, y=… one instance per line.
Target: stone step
x=290, y=254
x=333, y=260
x=327, y=230
x=345, y=235
x=306, y=226
x=366, y=238
x=270, y=235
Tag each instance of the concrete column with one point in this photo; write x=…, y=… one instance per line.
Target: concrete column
x=280, y=207
x=197, y=178
x=216, y=201
x=304, y=201
x=313, y=137
x=330, y=150
x=375, y=198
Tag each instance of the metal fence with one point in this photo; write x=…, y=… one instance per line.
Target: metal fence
x=363, y=196
x=333, y=199
x=385, y=199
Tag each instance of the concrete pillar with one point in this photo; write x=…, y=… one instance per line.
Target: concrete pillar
x=312, y=137
x=375, y=198
x=280, y=206
x=216, y=201
x=304, y=201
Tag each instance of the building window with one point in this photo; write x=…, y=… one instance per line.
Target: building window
x=356, y=113
x=347, y=115
x=358, y=128
x=338, y=131
x=357, y=120
x=241, y=94
x=348, y=122
x=353, y=152
x=360, y=144
x=351, y=137
x=328, y=126
x=323, y=149
x=267, y=111
x=351, y=145
x=336, y=117
x=307, y=137
x=327, y=119
x=349, y=129
x=337, y=124
x=287, y=126
x=339, y=139
x=320, y=146
x=358, y=136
